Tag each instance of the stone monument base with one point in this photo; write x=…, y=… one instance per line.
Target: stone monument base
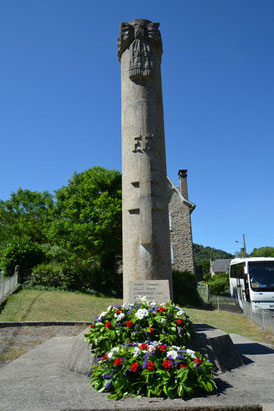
x=210, y=341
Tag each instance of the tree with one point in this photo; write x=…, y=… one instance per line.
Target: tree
x=26, y=213
x=202, y=257
x=87, y=222
x=23, y=252
x=263, y=252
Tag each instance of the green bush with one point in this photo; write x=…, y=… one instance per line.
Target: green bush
x=185, y=289
x=219, y=284
x=49, y=275
x=23, y=252
x=86, y=278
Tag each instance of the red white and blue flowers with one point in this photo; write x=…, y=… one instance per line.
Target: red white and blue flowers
x=141, y=350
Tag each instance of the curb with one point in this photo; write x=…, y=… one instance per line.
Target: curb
x=4, y=324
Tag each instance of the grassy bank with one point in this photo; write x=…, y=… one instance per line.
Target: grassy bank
x=33, y=305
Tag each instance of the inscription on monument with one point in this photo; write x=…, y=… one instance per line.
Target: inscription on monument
x=142, y=144
x=157, y=290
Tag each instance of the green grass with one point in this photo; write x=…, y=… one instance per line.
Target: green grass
x=33, y=305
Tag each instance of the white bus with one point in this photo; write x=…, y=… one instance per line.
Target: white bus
x=252, y=280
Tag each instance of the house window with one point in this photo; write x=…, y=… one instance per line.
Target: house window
x=171, y=254
x=169, y=219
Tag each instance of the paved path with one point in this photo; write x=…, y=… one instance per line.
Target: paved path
x=38, y=381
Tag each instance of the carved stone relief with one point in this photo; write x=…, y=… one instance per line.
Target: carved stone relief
x=140, y=36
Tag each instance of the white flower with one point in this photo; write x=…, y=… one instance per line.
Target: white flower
x=151, y=348
x=103, y=314
x=191, y=353
x=120, y=316
x=112, y=351
x=142, y=299
x=172, y=353
x=141, y=313
x=136, y=351
x=109, y=308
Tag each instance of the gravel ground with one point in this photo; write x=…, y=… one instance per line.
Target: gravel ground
x=16, y=341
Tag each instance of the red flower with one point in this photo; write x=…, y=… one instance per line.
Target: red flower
x=151, y=366
x=161, y=309
x=183, y=366
x=129, y=324
x=151, y=330
x=162, y=347
x=91, y=326
x=108, y=324
x=198, y=361
x=118, y=312
x=118, y=361
x=104, y=357
x=143, y=346
x=167, y=364
x=135, y=367
x=179, y=321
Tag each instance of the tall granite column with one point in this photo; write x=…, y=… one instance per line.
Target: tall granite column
x=146, y=242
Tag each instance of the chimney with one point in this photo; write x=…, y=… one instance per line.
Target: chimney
x=183, y=183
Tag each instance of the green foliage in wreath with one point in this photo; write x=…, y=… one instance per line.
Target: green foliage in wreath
x=152, y=369
x=139, y=322
x=141, y=351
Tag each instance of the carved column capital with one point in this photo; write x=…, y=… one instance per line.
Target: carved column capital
x=140, y=36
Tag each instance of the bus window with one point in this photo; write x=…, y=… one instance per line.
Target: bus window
x=261, y=274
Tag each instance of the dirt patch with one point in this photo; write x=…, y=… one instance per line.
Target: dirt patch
x=16, y=341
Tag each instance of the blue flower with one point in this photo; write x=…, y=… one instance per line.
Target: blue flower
x=144, y=365
x=107, y=384
x=107, y=376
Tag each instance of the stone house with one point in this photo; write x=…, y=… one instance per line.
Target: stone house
x=180, y=209
x=219, y=266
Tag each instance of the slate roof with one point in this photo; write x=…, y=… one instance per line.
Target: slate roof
x=190, y=205
x=221, y=265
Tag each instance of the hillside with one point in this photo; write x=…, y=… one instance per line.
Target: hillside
x=203, y=255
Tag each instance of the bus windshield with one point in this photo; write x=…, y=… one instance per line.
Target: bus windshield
x=261, y=274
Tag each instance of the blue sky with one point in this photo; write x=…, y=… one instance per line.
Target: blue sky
x=60, y=102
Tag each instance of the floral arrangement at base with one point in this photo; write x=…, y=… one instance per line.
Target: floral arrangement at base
x=141, y=350
x=139, y=322
x=152, y=369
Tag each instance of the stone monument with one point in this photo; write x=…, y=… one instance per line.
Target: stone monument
x=146, y=242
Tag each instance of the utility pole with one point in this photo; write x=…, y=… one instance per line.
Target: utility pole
x=244, y=243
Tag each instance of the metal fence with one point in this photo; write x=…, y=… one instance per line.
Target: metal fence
x=264, y=318
x=203, y=290
x=7, y=287
x=225, y=303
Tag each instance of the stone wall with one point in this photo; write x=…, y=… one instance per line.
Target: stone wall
x=180, y=230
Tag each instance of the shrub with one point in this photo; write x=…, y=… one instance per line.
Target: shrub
x=219, y=284
x=23, y=252
x=49, y=275
x=185, y=289
x=74, y=277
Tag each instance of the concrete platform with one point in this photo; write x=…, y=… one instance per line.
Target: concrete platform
x=39, y=381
